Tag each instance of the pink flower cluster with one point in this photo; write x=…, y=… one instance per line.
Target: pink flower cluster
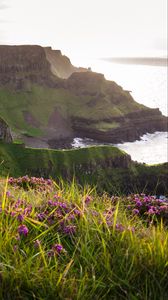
x=148, y=207
x=27, y=182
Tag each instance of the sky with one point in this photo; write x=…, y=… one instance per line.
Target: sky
x=87, y=28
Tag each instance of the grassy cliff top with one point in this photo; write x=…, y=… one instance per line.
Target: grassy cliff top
x=18, y=160
x=105, y=167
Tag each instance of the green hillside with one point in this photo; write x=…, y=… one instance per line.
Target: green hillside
x=17, y=160
x=40, y=103
x=105, y=167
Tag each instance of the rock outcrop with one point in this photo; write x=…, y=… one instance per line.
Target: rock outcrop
x=132, y=126
x=5, y=133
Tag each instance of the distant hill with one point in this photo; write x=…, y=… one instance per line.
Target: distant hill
x=150, y=61
x=46, y=101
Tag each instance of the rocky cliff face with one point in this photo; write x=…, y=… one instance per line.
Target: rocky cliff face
x=132, y=126
x=127, y=121
x=22, y=65
x=5, y=134
x=52, y=101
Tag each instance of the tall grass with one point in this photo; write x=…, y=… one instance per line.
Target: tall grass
x=108, y=252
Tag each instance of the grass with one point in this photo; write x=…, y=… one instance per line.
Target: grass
x=40, y=102
x=18, y=160
x=112, y=254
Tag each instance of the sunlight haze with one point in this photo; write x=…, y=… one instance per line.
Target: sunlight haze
x=90, y=28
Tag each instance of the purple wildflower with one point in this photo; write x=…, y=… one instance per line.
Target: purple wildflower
x=88, y=199
x=20, y=218
x=151, y=211
x=8, y=193
x=56, y=196
x=69, y=229
x=138, y=203
x=57, y=248
x=41, y=216
x=109, y=223
x=119, y=227
x=164, y=207
x=13, y=213
x=23, y=230
x=50, y=202
x=28, y=210
x=135, y=211
x=77, y=212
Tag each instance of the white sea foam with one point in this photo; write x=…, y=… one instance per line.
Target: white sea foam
x=150, y=149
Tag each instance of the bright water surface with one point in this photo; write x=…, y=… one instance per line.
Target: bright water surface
x=148, y=86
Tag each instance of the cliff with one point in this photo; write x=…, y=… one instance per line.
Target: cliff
x=5, y=134
x=47, y=102
x=22, y=65
x=129, y=127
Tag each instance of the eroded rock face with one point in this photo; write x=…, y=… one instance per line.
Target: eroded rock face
x=20, y=65
x=5, y=134
x=132, y=126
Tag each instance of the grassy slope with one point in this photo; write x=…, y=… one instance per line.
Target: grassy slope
x=18, y=160
x=113, y=253
x=41, y=101
x=89, y=165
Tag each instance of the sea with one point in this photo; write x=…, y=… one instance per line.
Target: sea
x=148, y=86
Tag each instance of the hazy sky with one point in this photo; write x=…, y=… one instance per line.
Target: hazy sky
x=87, y=28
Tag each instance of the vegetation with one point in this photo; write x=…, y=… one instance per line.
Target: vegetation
x=16, y=159
x=40, y=103
x=106, y=167
x=67, y=242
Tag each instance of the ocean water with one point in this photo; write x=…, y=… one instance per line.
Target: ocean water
x=148, y=86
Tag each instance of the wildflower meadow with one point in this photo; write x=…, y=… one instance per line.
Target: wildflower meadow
x=63, y=241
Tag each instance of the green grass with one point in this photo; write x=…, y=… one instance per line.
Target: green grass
x=98, y=261
x=40, y=102
x=22, y=160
